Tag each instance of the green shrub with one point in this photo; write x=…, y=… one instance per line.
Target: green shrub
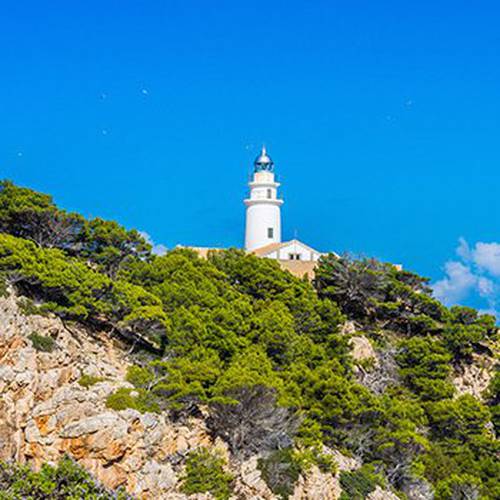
x=3, y=285
x=137, y=399
x=358, y=484
x=89, y=380
x=205, y=473
x=458, y=487
x=313, y=455
x=42, y=343
x=29, y=308
x=74, y=290
x=281, y=470
x=139, y=376
x=425, y=365
x=325, y=463
x=120, y=400
x=67, y=480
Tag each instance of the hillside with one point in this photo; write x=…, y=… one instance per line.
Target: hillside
x=174, y=376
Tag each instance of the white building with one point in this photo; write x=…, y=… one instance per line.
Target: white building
x=263, y=222
x=263, y=214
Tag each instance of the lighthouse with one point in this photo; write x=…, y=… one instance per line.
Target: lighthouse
x=263, y=207
x=263, y=225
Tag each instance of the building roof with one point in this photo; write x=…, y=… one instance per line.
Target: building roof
x=267, y=249
x=272, y=247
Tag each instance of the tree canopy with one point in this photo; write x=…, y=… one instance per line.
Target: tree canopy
x=264, y=352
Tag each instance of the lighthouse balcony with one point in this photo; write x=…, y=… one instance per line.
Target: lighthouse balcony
x=257, y=184
x=263, y=201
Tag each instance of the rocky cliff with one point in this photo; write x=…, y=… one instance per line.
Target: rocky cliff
x=45, y=413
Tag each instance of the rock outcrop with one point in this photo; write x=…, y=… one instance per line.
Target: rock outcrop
x=381, y=494
x=362, y=350
x=474, y=378
x=45, y=413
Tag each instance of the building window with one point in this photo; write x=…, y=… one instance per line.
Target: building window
x=294, y=256
x=269, y=194
x=270, y=232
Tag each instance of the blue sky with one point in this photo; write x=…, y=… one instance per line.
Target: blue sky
x=382, y=119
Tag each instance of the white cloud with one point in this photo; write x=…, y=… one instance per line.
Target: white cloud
x=487, y=257
x=485, y=287
x=459, y=281
x=157, y=248
x=463, y=249
x=474, y=275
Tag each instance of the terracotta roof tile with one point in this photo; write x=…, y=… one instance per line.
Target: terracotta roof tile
x=268, y=249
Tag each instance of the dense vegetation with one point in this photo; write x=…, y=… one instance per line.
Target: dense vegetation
x=264, y=351
x=66, y=481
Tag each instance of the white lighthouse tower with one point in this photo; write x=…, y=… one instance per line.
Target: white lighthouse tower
x=263, y=213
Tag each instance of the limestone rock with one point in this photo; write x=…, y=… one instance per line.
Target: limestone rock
x=317, y=485
x=344, y=463
x=380, y=494
x=362, y=349
x=249, y=483
x=473, y=379
x=45, y=413
x=348, y=328
x=93, y=424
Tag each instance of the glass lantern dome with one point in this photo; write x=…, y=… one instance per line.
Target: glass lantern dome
x=263, y=162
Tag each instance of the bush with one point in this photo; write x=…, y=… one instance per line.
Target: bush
x=137, y=399
x=425, y=365
x=4, y=292
x=280, y=471
x=89, y=380
x=139, y=377
x=458, y=487
x=325, y=462
x=252, y=422
x=29, y=308
x=74, y=290
x=42, y=343
x=205, y=473
x=358, y=484
x=67, y=480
